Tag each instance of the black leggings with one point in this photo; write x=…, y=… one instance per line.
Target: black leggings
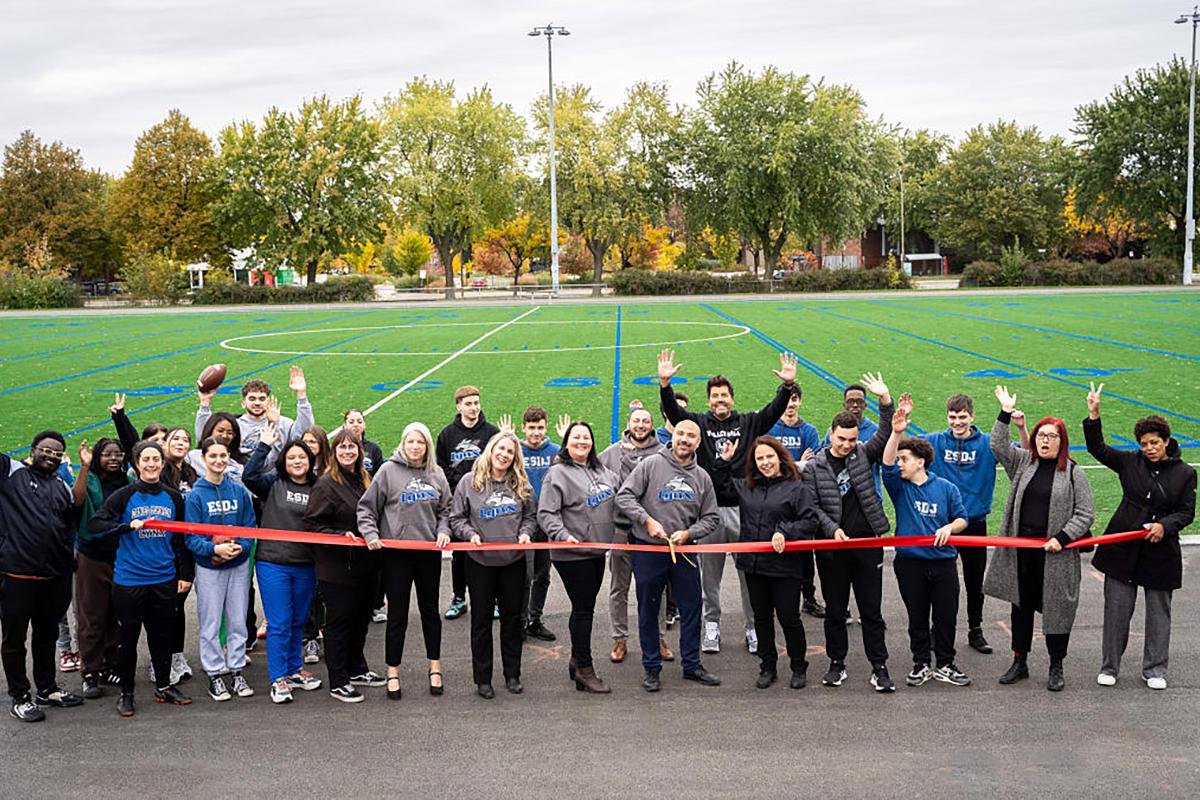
x=152, y=607
x=402, y=569
x=489, y=587
x=348, y=608
x=771, y=597
x=179, y=624
x=458, y=574
x=1022, y=635
x=581, y=578
x=974, y=564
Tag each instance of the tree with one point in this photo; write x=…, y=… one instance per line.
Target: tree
x=774, y=154
x=1133, y=154
x=301, y=187
x=49, y=201
x=451, y=164
x=921, y=152
x=164, y=201
x=1001, y=185
x=1105, y=238
x=516, y=240
x=405, y=251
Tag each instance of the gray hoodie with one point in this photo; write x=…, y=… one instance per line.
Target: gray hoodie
x=251, y=429
x=678, y=496
x=622, y=456
x=580, y=501
x=496, y=515
x=404, y=502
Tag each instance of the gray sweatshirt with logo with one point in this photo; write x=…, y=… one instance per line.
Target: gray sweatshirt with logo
x=679, y=496
x=496, y=515
x=580, y=501
x=621, y=457
x=405, y=502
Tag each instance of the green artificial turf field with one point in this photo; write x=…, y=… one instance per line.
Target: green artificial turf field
x=591, y=360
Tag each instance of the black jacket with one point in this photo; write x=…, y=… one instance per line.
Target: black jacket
x=37, y=522
x=458, y=446
x=774, y=504
x=333, y=508
x=820, y=475
x=1163, y=492
x=372, y=457
x=743, y=428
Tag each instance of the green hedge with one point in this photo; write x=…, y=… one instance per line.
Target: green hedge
x=645, y=282
x=355, y=288
x=26, y=291
x=845, y=280
x=1059, y=272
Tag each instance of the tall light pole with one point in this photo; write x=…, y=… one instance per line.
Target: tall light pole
x=1190, y=236
x=550, y=31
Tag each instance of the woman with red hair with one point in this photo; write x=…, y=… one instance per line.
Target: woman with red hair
x=1049, y=497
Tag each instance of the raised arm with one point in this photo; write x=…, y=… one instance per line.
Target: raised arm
x=126, y=434
x=670, y=407
x=304, y=411
x=874, y=446
x=1093, y=434
x=1001, y=440
x=899, y=426
x=79, y=490
x=762, y=421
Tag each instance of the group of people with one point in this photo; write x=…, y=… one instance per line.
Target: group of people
x=79, y=538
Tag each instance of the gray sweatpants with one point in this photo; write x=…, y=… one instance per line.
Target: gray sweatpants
x=222, y=593
x=64, y=633
x=620, y=578
x=712, y=569
x=1120, y=599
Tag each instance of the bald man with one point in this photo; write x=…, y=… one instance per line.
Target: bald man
x=668, y=498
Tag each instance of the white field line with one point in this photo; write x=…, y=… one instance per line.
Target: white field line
x=444, y=362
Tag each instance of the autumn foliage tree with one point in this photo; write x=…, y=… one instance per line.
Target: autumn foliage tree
x=516, y=241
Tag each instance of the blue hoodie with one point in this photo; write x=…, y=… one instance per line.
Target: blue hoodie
x=797, y=438
x=226, y=503
x=144, y=557
x=537, y=463
x=968, y=464
x=921, y=510
x=664, y=436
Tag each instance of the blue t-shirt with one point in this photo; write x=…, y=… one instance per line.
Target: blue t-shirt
x=921, y=510
x=146, y=557
x=797, y=438
x=968, y=464
x=537, y=463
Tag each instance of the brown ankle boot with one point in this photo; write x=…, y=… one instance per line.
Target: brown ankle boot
x=620, y=648
x=571, y=669
x=664, y=652
x=586, y=680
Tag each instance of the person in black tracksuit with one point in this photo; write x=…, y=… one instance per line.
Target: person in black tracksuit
x=774, y=505
x=37, y=531
x=720, y=424
x=458, y=445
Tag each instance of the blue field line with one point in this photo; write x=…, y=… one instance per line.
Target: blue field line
x=1014, y=365
x=182, y=395
x=616, y=389
x=1156, y=323
x=102, y=342
x=811, y=366
x=1041, y=329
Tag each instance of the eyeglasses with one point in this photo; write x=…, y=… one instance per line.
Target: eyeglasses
x=48, y=452
x=1047, y=437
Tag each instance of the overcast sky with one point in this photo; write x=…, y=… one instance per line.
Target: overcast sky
x=96, y=73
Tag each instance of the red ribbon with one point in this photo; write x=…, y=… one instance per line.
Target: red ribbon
x=303, y=537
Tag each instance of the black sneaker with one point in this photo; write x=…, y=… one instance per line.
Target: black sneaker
x=952, y=675
x=92, y=687
x=172, y=696
x=671, y=618
x=1056, y=681
x=920, y=675
x=765, y=678
x=125, y=706
x=347, y=694
x=537, y=630
x=486, y=691
x=109, y=677
x=881, y=680
x=702, y=676
x=58, y=697
x=835, y=675
x=217, y=689
x=799, y=679
x=513, y=685
x=26, y=710
x=651, y=681
x=813, y=608
x=368, y=678
x=977, y=642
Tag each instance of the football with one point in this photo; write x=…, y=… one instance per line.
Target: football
x=210, y=379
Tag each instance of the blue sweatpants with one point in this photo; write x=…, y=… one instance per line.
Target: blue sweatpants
x=651, y=571
x=287, y=594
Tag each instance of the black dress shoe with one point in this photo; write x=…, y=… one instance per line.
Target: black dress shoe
x=799, y=679
x=486, y=691
x=813, y=608
x=1018, y=671
x=766, y=678
x=1056, y=681
x=539, y=631
x=702, y=676
x=651, y=681
x=513, y=685
x=125, y=705
x=977, y=642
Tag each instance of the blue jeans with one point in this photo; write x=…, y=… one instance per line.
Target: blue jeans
x=287, y=594
x=651, y=572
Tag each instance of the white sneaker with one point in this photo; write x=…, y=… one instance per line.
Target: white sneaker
x=302, y=680
x=281, y=692
x=1106, y=679
x=312, y=652
x=752, y=641
x=379, y=615
x=180, y=670
x=239, y=686
x=712, y=638
x=1156, y=683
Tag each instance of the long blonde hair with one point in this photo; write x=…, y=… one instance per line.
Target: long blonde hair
x=481, y=474
x=430, y=464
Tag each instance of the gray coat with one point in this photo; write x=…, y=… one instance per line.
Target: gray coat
x=1072, y=513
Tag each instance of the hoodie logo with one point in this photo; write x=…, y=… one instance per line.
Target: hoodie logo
x=417, y=491
x=677, y=489
x=599, y=493
x=537, y=462
x=498, y=504
x=959, y=456
x=466, y=450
